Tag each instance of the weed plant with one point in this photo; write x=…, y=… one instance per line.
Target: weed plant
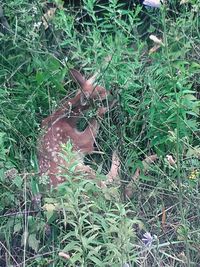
x=156, y=88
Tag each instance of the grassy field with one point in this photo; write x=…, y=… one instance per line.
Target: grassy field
x=148, y=58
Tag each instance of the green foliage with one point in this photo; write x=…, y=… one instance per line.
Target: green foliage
x=156, y=112
x=96, y=232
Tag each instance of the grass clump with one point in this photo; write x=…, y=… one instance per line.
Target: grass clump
x=156, y=87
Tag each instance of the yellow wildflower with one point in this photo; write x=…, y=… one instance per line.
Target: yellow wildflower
x=193, y=175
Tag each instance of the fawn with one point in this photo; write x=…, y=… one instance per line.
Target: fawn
x=61, y=126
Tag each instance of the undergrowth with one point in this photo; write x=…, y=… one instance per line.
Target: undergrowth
x=155, y=85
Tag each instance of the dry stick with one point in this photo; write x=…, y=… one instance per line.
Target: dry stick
x=9, y=253
x=148, y=160
x=19, y=213
x=114, y=171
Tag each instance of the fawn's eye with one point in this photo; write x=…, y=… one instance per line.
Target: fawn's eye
x=84, y=99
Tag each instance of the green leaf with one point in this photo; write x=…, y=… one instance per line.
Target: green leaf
x=2, y=135
x=95, y=260
x=18, y=181
x=49, y=210
x=17, y=227
x=33, y=242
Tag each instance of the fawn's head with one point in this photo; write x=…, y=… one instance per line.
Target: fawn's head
x=89, y=91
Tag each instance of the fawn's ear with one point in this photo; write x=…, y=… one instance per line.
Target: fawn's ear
x=78, y=77
x=92, y=79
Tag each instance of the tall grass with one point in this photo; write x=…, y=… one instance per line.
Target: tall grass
x=156, y=112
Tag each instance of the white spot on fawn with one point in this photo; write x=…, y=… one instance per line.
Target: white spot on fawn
x=62, y=161
x=53, y=154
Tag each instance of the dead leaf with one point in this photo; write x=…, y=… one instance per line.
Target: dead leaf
x=170, y=160
x=113, y=173
x=156, y=40
x=154, y=49
x=47, y=17
x=163, y=218
x=64, y=255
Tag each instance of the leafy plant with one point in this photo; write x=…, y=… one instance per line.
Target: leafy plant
x=156, y=91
